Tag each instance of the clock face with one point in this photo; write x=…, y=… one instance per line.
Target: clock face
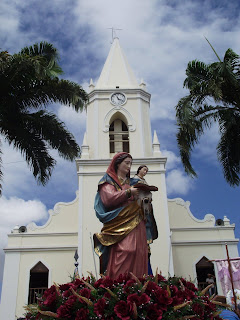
x=118, y=99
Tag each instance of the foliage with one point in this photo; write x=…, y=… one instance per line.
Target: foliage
x=214, y=96
x=29, y=83
x=128, y=297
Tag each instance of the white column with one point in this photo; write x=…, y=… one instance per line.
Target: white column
x=10, y=286
x=167, y=225
x=141, y=128
x=80, y=223
x=96, y=128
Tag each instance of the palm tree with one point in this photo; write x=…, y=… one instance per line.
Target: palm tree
x=214, y=96
x=29, y=83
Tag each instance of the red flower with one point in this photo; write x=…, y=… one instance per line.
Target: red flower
x=64, y=312
x=85, y=293
x=98, y=283
x=161, y=278
x=178, y=298
x=82, y=314
x=107, y=295
x=66, y=293
x=151, y=287
x=134, y=298
x=144, y=298
x=122, y=278
x=106, y=283
x=123, y=310
x=154, y=313
x=48, y=291
x=190, y=286
x=129, y=283
x=99, y=307
x=65, y=287
x=50, y=300
x=198, y=309
x=173, y=289
x=163, y=298
x=188, y=294
x=78, y=282
x=70, y=302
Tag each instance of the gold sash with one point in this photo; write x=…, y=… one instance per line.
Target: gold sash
x=116, y=229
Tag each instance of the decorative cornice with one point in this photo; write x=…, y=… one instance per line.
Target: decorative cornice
x=216, y=228
x=138, y=91
x=37, y=249
x=105, y=163
x=186, y=204
x=204, y=242
x=44, y=234
x=52, y=212
x=126, y=113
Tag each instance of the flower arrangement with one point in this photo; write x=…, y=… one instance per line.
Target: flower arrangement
x=128, y=297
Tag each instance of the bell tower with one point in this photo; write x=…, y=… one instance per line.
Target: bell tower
x=118, y=119
x=118, y=111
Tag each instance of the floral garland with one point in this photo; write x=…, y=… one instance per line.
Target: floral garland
x=152, y=298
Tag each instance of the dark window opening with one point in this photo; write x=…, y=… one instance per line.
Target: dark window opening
x=38, y=282
x=118, y=137
x=204, y=267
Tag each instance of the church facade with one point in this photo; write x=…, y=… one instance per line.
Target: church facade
x=118, y=119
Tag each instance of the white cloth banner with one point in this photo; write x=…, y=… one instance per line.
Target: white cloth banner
x=224, y=276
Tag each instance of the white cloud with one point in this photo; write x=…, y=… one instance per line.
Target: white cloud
x=172, y=159
x=178, y=183
x=15, y=211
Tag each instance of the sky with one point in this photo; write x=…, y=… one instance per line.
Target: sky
x=159, y=38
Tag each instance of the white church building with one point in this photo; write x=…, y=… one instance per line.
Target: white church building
x=118, y=119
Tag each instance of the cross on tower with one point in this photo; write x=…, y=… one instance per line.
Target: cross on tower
x=114, y=32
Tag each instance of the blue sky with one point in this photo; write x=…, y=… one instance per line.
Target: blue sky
x=159, y=38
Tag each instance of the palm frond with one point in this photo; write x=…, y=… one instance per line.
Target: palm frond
x=228, y=149
x=50, y=129
x=33, y=149
x=213, y=50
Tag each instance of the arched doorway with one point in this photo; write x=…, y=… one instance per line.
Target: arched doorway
x=203, y=268
x=38, y=281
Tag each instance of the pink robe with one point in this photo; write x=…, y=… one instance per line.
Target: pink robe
x=131, y=253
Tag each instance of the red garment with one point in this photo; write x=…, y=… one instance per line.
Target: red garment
x=131, y=253
x=112, y=198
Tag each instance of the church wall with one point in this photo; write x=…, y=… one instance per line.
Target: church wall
x=91, y=224
x=60, y=265
x=146, y=129
x=185, y=258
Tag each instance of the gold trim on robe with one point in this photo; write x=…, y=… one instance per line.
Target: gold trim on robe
x=116, y=229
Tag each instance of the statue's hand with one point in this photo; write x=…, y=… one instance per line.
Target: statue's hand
x=134, y=192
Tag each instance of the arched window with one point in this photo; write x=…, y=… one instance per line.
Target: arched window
x=203, y=268
x=38, y=281
x=118, y=136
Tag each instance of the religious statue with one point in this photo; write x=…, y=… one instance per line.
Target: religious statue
x=145, y=201
x=122, y=243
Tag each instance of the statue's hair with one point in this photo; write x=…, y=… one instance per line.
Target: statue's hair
x=120, y=160
x=143, y=166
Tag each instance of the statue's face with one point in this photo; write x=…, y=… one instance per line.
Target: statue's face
x=124, y=167
x=143, y=172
